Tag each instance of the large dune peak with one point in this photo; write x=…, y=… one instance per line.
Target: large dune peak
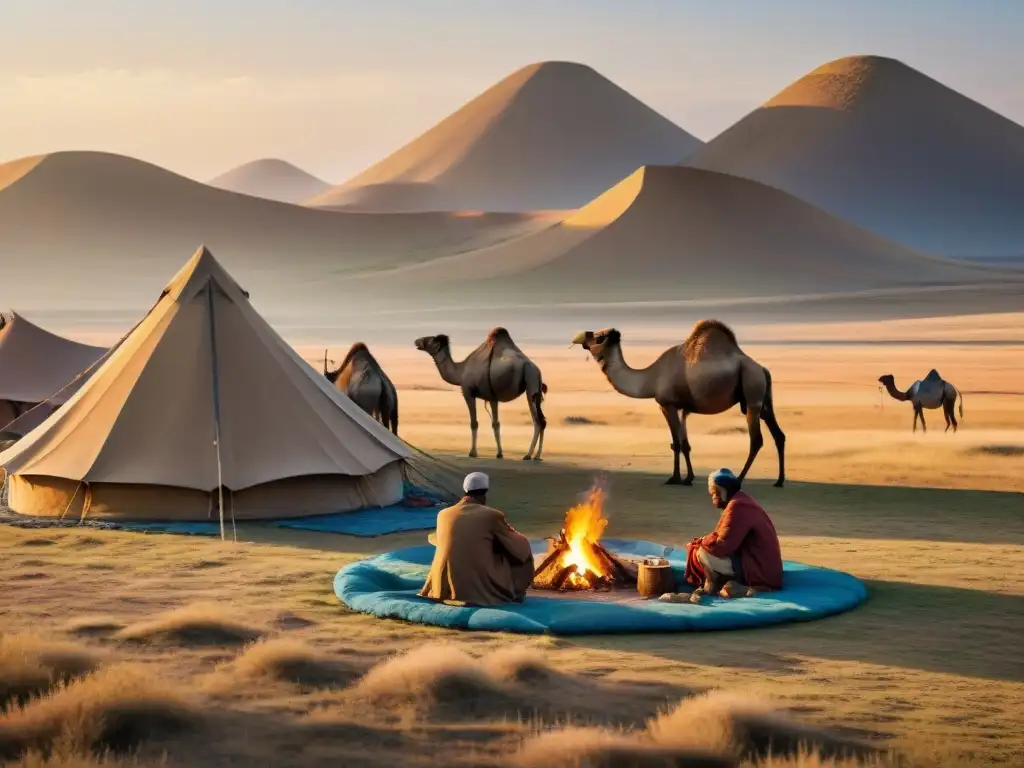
x=551, y=135
x=885, y=146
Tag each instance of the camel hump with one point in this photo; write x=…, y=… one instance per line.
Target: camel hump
x=933, y=375
x=709, y=337
x=359, y=349
x=498, y=334
x=500, y=340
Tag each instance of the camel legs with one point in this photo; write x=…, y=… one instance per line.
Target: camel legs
x=949, y=411
x=768, y=415
x=474, y=425
x=756, y=438
x=680, y=443
x=539, y=425
x=919, y=414
x=496, y=426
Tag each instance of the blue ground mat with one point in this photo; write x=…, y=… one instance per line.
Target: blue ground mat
x=386, y=586
x=184, y=528
x=363, y=522
x=368, y=522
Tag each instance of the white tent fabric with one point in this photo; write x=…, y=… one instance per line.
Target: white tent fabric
x=38, y=366
x=203, y=371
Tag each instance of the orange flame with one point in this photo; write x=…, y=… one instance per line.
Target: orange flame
x=584, y=525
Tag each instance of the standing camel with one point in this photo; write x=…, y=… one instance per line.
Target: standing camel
x=496, y=372
x=361, y=378
x=708, y=374
x=930, y=392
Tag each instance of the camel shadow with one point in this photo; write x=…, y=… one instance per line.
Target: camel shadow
x=641, y=506
x=946, y=630
x=535, y=498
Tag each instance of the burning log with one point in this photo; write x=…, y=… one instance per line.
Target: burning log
x=576, y=560
x=562, y=576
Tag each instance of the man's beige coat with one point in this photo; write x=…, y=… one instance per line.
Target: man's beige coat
x=480, y=559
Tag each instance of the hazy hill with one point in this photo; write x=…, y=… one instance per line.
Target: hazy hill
x=678, y=233
x=883, y=145
x=91, y=229
x=549, y=136
x=271, y=179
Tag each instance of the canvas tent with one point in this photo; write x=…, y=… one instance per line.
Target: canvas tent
x=37, y=366
x=204, y=402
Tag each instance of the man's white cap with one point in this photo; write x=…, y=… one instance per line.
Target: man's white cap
x=476, y=481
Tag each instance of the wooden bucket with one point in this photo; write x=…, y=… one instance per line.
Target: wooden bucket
x=655, y=577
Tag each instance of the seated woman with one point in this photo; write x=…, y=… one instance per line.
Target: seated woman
x=741, y=557
x=480, y=559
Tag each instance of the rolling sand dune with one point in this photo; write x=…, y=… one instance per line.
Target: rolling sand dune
x=271, y=179
x=110, y=223
x=886, y=147
x=549, y=136
x=676, y=233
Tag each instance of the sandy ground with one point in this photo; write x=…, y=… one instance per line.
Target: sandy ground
x=933, y=523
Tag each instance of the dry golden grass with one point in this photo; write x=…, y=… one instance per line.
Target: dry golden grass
x=709, y=730
x=872, y=672
x=116, y=708
x=597, y=748
x=191, y=625
x=749, y=727
x=929, y=665
x=66, y=756
x=290, y=661
x=437, y=680
x=31, y=665
x=93, y=625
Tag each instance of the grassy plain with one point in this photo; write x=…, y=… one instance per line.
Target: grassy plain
x=930, y=664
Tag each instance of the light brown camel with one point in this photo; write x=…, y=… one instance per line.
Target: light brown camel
x=708, y=373
x=496, y=372
x=930, y=392
x=361, y=378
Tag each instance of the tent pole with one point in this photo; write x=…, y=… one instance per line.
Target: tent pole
x=216, y=409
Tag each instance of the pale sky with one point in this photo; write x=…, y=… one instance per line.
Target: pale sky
x=199, y=86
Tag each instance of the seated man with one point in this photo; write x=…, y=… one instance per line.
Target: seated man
x=480, y=558
x=742, y=553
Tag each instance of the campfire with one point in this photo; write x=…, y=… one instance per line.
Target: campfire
x=576, y=560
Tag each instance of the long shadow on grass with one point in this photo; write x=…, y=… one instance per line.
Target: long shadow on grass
x=937, y=629
x=640, y=505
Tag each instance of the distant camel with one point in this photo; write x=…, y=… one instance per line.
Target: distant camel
x=361, y=378
x=496, y=372
x=931, y=392
x=708, y=374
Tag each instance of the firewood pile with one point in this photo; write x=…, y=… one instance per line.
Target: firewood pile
x=587, y=566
